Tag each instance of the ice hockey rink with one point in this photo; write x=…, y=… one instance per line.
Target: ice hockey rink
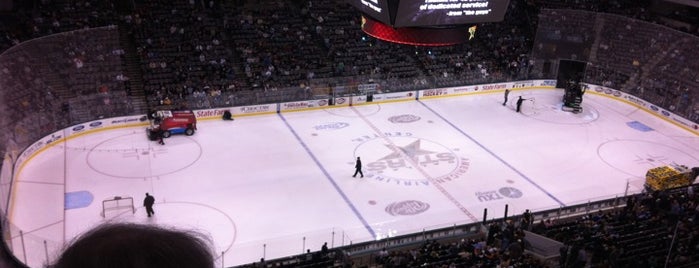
x=278, y=184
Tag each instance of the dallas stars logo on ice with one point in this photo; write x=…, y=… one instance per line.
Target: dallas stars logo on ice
x=399, y=158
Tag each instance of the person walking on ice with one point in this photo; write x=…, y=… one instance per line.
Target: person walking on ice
x=148, y=203
x=519, y=103
x=160, y=136
x=358, y=168
x=507, y=93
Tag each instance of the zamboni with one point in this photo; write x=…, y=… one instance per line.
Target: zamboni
x=166, y=123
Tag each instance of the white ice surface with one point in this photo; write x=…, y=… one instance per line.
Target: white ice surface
x=275, y=185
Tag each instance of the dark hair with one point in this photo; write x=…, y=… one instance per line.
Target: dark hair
x=129, y=245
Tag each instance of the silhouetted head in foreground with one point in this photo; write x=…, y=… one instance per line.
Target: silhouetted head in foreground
x=127, y=245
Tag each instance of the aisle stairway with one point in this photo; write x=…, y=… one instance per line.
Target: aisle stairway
x=132, y=69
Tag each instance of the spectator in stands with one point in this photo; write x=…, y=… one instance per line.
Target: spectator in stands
x=128, y=245
x=527, y=220
x=324, y=249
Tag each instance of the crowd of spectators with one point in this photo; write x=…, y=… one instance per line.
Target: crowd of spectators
x=647, y=60
x=502, y=246
x=652, y=229
x=207, y=54
x=670, y=80
x=648, y=56
x=221, y=54
x=63, y=79
x=566, y=34
x=681, y=18
x=203, y=54
x=183, y=59
x=59, y=70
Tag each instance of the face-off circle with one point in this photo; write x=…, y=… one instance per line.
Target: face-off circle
x=549, y=108
x=635, y=157
x=219, y=225
x=143, y=158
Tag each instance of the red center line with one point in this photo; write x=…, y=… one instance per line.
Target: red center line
x=432, y=180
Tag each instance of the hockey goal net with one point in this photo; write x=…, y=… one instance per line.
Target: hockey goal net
x=116, y=205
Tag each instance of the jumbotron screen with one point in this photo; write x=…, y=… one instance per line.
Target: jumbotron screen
x=377, y=9
x=428, y=13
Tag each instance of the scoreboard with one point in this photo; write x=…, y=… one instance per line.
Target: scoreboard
x=376, y=9
x=432, y=13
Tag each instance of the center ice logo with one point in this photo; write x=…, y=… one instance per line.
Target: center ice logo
x=400, y=159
